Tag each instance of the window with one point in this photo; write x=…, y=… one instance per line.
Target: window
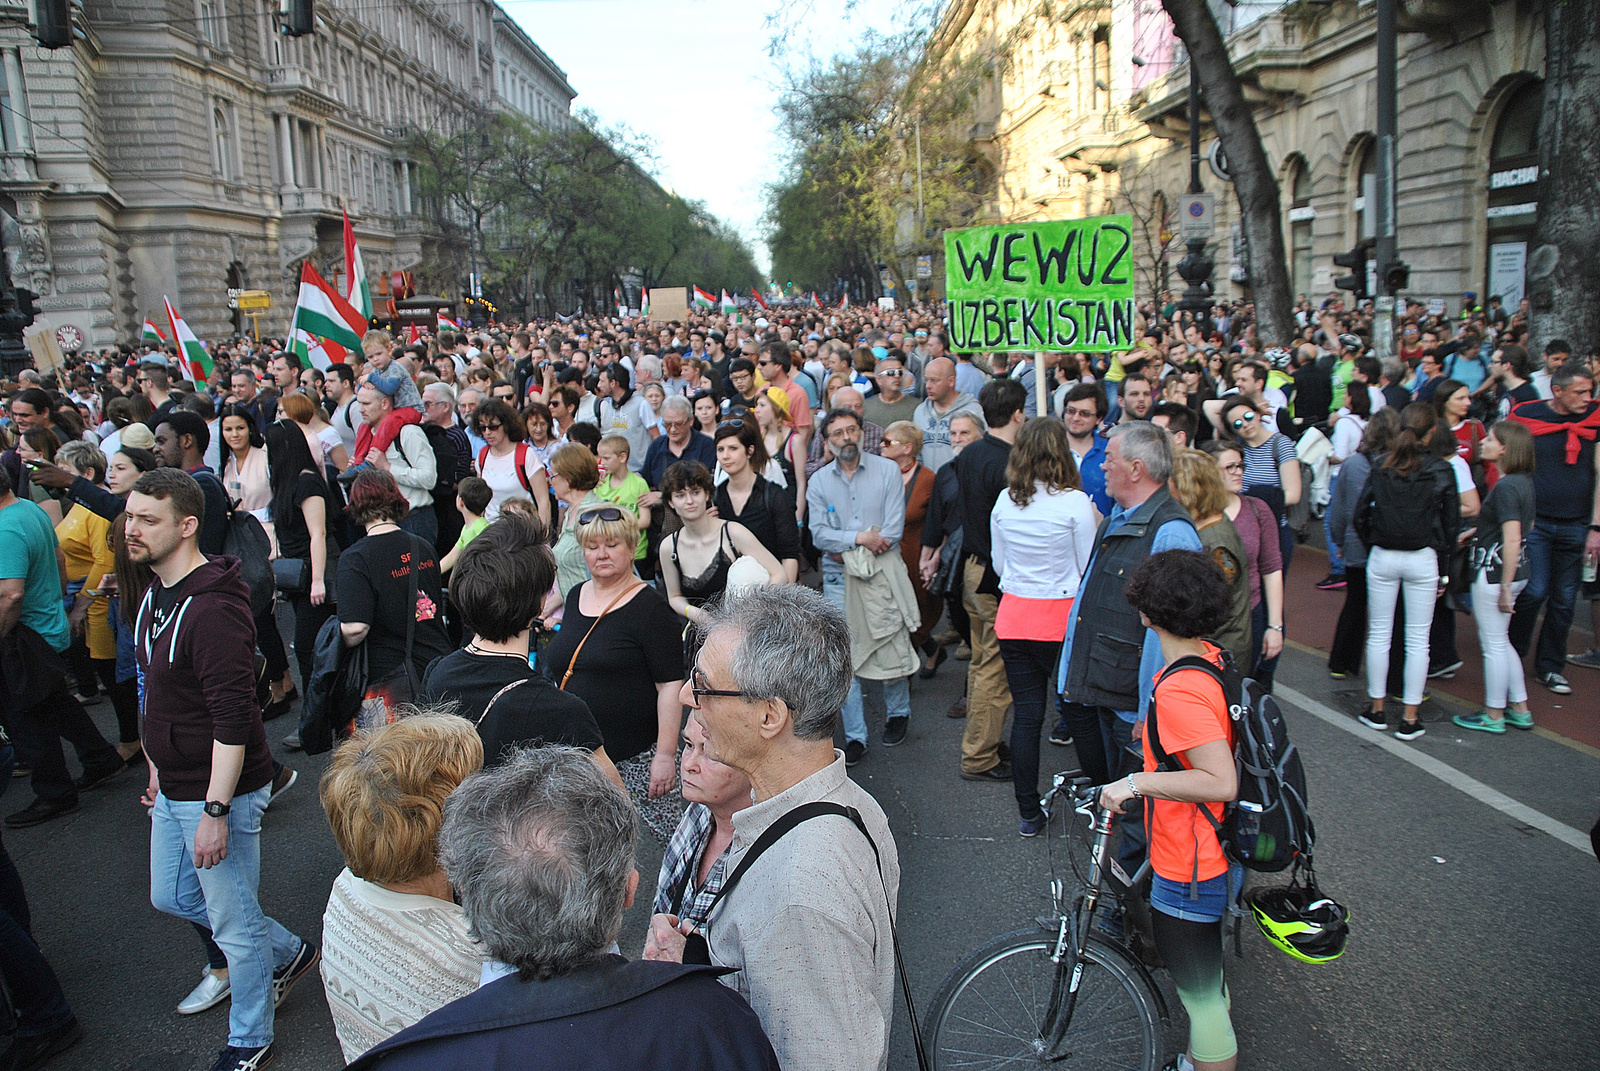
x=211, y=22
x=1365, y=203
x=1300, y=216
x=222, y=136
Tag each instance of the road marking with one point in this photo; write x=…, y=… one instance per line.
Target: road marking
x=1441, y=770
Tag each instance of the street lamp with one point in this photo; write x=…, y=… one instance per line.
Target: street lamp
x=1195, y=268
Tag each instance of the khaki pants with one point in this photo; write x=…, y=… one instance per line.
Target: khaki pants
x=988, y=693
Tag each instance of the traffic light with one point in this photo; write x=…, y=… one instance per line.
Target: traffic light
x=54, y=26
x=1355, y=262
x=298, y=17
x=1396, y=276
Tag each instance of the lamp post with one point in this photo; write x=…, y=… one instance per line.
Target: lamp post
x=1195, y=267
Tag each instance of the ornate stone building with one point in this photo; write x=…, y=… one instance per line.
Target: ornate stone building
x=1086, y=113
x=185, y=147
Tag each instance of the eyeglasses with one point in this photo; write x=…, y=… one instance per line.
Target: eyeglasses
x=696, y=676
x=1236, y=466
x=609, y=514
x=1094, y=413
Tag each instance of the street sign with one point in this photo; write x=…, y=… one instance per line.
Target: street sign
x=249, y=300
x=1053, y=286
x=925, y=266
x=1219, y=161
x=1197, y=216
x=886, y=303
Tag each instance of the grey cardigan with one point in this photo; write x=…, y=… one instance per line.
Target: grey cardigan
x=1352, y=480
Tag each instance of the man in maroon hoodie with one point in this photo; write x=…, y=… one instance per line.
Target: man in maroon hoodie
x=210, y=770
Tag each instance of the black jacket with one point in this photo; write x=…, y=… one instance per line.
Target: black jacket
x=613, y=1015
x=1109, y=638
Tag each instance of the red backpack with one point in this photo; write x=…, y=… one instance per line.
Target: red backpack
x=522, y=465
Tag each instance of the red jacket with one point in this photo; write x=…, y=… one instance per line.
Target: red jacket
x=199, y=682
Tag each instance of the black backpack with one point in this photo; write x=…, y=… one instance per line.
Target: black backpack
x=445, y=460
x=1399, y=512
x=1267, y=826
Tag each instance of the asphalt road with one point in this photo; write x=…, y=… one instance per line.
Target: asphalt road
x=1474, y=941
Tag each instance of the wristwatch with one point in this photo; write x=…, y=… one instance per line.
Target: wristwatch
x=217, y=809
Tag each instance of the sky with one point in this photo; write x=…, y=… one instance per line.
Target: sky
x=695, y=80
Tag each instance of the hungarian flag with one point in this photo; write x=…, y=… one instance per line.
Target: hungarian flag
x=195, y=362
x=621, y=303
x=326, y=327
x=844, y=302
x=759, y=299
x=815, y=304
x=413, y=335
x=359, y=294
x=446, y=324
x=727, y=302
x=644, y=302
x=703, y=299
x=152, y=333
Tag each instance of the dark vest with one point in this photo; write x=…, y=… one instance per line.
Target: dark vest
x=1109, y=638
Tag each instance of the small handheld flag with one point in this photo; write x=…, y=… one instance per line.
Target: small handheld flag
x=151, y=333
x=191, y=354
x=703, y=299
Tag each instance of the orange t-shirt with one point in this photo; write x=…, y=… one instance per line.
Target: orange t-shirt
x=1191, y=711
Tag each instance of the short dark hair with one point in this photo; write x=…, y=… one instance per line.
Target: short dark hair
x=184, y=422
x=502, y=577
x=1181, y=591
x=684, y=475
x=344, y=372
x=618, y=373
x=778, y=353
x=36, y=398
x=584, y=435
x=745, y=429
x=292, y=359
x=498, y=410
x=176, y=486
x=1551, y=348
x=1000, y=398
x=1087, y=392
x=1179, y=418
x=200, y=404
x=476, y=494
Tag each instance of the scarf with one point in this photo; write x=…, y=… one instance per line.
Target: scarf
x=1577, y=431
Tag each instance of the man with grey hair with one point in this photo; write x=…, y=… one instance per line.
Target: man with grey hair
x=1098, y=671
x=804, y=916
x=539, y=851
x=682, y=442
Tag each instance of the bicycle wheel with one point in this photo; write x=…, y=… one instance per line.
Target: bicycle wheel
x=990, y=1011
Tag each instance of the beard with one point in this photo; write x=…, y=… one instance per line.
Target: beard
x=849, y=453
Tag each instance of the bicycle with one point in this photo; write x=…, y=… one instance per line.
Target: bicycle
x=1059, y=994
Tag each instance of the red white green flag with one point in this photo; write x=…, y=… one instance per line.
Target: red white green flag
x=151, y=333
x=326, y=327
x=359, y=294
x=703, y=299
x=759, y=299
x=192, y=356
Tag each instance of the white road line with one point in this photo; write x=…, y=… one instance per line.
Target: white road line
x=1442, y=770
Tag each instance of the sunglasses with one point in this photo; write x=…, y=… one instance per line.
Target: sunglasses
x=736, y=422
x=609, y=514
x=486, y=426
x=1248, y=418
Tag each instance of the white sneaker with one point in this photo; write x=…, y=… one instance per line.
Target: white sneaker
x=208, y=994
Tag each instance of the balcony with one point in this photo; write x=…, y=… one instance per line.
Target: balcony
x=1095, y=139
x=310, y=202
x=295, y=86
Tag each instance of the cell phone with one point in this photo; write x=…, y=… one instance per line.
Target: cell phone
x=33, y=463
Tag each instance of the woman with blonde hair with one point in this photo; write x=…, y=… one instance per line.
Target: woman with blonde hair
x=395, y=944
x=1197, y=484
x=574, y=474
x=1042, y=534
x=620, y=650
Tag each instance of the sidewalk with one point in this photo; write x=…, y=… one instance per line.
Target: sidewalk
x=1311, y=616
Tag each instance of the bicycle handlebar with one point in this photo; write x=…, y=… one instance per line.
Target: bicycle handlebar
x=1081, y=790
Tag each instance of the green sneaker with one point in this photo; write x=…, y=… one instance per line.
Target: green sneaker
x=1481, y=722
x=1520, y=719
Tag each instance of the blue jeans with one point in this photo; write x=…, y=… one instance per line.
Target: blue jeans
x=224, y=898
x=1335, y=554
x=896, y=694
x=423, y=523
x=1125, y=755
x=1555, y=559
x=1031, y=672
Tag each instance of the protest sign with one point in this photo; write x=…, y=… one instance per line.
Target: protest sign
x=1055, y=286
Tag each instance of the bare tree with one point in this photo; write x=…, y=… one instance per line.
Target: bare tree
x=1564, y=270
x=1254, y=183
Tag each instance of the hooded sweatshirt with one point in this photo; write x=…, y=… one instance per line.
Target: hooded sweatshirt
x=199, y=681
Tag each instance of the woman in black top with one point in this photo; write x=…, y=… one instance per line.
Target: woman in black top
x=374, y=589
x=300, y=520
x=747, y=497
x=619, y=650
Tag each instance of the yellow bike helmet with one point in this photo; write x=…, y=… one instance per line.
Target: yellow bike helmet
x=1301, y=921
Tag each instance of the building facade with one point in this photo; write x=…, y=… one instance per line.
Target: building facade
x=183, y=148
x=1104, y=85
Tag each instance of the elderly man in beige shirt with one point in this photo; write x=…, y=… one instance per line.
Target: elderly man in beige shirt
x=806, y=926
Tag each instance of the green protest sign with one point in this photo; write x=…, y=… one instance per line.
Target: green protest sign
x=1056, y=286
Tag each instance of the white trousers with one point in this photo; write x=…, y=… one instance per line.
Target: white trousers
x=1415, y=573
x=1502, y=668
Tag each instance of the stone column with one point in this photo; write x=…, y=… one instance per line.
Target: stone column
x=286, y=152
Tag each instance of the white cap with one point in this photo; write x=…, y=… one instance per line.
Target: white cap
x=761, y=321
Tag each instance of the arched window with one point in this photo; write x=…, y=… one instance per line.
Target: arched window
x=1300, y=216
x=223, y=135
x=1513, y=194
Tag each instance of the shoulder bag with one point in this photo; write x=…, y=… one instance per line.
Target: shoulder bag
x=572, y=664
x=697, y=950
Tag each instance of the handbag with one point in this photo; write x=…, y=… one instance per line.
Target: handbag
x=292, y=576
x=573, y=662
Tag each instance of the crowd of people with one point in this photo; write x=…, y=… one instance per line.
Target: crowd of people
x=607, y=576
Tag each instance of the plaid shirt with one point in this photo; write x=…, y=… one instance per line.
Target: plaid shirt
x=675, y=892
